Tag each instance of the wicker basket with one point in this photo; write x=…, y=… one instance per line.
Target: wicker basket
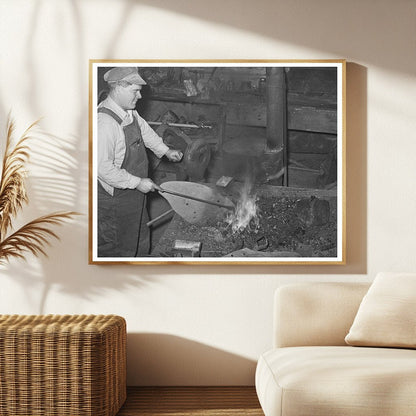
x=52, y=365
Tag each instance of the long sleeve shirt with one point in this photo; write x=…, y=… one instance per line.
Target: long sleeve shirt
x=111, y=146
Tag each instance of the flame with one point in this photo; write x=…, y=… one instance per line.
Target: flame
x=245, y=211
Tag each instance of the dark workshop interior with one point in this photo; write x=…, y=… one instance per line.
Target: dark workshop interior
x=262, y=140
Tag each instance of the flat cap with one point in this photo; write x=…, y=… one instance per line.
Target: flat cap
x=124, y=73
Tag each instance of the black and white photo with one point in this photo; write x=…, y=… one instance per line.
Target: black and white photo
x=217, y=162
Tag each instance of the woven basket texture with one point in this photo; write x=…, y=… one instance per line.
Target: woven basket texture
x=62, y=365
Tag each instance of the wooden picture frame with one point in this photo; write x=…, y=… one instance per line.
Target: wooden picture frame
x=275, y=134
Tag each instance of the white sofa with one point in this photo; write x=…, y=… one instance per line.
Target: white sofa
x=311, y=371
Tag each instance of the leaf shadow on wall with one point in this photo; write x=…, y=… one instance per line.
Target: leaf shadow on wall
x=163, y=359
x=334, y=27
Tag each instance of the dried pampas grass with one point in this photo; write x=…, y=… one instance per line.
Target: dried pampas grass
x=34, y=236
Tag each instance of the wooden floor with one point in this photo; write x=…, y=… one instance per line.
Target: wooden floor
x=187, y=401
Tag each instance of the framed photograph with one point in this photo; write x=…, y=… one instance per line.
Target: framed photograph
x=217, y=162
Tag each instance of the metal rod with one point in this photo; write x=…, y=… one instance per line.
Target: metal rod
x=188, y=126
x=198, y=199
x=151, y=222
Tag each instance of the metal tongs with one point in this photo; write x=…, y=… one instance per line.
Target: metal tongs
x=194, y=202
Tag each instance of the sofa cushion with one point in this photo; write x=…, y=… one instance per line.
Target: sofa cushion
x=387, y=314
x=304, y=381
x=315, y=314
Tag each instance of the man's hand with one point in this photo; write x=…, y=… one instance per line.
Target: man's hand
x=147, y=185
x=174, y=155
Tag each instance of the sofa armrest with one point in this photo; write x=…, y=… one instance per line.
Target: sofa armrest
x=308, y=314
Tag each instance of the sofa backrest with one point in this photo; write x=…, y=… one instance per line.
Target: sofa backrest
x=308, y=314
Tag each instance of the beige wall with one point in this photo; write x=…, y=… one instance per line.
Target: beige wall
x=205, y=324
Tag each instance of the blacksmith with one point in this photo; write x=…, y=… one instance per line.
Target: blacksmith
x=123, y=182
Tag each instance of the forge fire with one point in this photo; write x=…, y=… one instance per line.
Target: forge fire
x=246, y=211
x=262, y=226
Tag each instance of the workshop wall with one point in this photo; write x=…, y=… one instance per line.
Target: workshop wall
x=231, y=103
x=203, y=325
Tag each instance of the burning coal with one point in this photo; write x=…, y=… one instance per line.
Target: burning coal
x=245, y=211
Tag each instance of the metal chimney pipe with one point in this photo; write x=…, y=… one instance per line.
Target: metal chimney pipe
x=276, y=101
